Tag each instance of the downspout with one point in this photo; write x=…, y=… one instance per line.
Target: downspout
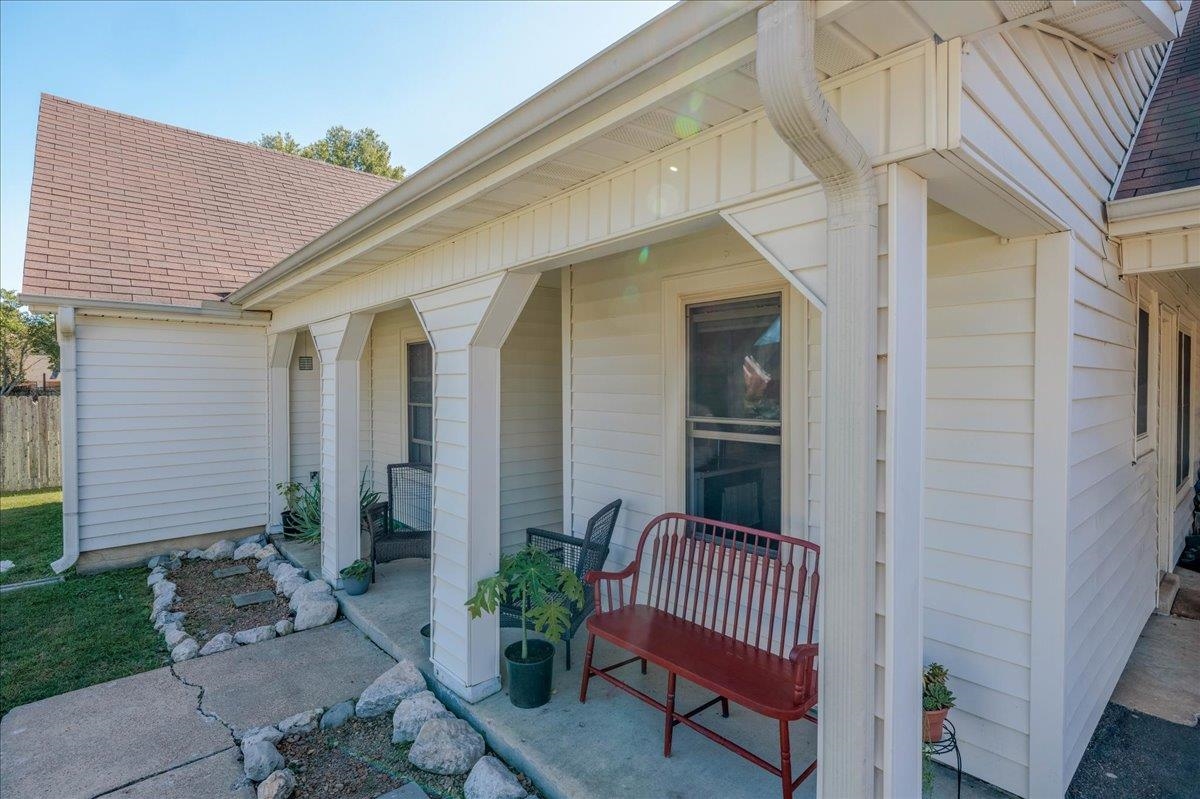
x=65, y=321
x=788, y=84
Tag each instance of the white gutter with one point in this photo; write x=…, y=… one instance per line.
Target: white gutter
x=789, y=85
x=64, y=318
x=617, y=73
x=206, y=311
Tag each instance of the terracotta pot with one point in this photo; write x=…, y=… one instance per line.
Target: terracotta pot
x=933, y=724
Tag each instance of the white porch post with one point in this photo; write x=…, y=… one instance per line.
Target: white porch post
x=339, y=343
x=466, y=325
x=279, y=354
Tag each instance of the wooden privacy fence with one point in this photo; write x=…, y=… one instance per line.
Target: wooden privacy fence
x=30, y=443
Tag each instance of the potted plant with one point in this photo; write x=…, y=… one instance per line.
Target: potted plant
x=290, y=491
x=540, y=586
x=356, y=578
x=936, y=700
x=306, y=512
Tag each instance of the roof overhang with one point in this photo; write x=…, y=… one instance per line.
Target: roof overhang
x=208, y=311
x=549, y=142
x=1154, y=213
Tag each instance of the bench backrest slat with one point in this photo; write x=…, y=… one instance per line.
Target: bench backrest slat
x=755, y=586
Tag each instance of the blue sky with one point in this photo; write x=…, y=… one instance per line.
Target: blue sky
x=425, y=75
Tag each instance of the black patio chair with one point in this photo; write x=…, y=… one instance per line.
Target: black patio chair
x=407, y=533
x=580, y=555
x=374, y=527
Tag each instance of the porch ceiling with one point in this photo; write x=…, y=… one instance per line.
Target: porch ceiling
x=850, y=33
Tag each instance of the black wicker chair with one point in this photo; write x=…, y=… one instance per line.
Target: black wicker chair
x=580, y=555
x=410, y=509
x=374, y=521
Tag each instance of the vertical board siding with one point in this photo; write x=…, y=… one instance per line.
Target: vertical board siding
x=531, y=428
x=172, y=429
x=30, y=442
x=304, y=403
x=978, y=496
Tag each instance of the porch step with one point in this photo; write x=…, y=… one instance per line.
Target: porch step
x=1167, y=589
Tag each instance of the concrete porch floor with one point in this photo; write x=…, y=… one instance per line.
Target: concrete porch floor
x=611, y=746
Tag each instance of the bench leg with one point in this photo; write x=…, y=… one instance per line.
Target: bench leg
x=785, y=759
x=670, y=721
x=643, y=665
x=587, y=668
x=724, y=707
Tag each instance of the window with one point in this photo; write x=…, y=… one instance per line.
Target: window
x=1183, y=430
x=733, y=422
x=420, y=403
x=1143, y=372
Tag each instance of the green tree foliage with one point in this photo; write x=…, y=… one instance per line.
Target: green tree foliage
x=362, y=150
x=22, y=334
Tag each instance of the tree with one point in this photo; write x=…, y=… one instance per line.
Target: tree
x=362, y=150
x=22, y=334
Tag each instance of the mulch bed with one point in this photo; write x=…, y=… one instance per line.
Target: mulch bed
x=208, y=601
x=358, y=761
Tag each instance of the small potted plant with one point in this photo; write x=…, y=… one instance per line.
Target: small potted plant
x=290, y=491
x=541, y=587
x=936, y=700
x=356, y=578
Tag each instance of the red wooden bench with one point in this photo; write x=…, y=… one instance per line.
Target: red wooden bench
x=728, y=608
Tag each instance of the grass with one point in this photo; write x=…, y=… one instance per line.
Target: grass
x=30, y=533
x=87, y=630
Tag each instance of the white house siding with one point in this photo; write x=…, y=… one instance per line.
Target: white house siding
x=172, y=425
x=531, y=420
x=390, y=331
x=304, y=407
x=979, y=482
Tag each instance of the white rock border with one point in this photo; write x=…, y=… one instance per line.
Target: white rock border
x=487, y=778
x=311, y=601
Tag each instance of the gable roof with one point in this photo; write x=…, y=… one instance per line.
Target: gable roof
x=1166, y=154
x=131, y=210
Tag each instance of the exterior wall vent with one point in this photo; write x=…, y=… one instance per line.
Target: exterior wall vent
x=306, y=363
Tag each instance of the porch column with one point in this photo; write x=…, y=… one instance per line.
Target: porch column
x=339, y=344
x=279, y=354
x=789, y=84
x=466, y=325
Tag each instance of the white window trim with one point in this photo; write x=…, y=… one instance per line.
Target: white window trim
x=409, y=334
x=1144, y=444
x=729, y=283
x=1185, y=325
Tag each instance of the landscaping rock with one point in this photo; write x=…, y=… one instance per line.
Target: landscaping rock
x=185, y=650
x=278, y=785
x=315, y=612
x=446, y=746
x=158, y=560
x=338, y=715
x=258, y=539
x=313, y=589
x=290, y=585
x=274, y=567
x=489, y=779
x=285, y=570
x=255, y=634
x=260, y=758
x=5, y=565
x=174, y=636
x=269, y=734
x=412, y=713
x=409, y=790
x=157, y=576
x=165, y=617
x=382, y=696
x=161, y=603
x=163, y=587
x=284, y=627
x=247, y=550
x=269, y=551
x=222, y=549
x=218, y=643
x=305, y=721
x=265, y=564
x=194, y=554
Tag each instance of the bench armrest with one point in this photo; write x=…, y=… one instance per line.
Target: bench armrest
x=603, y=583
x=804, y=672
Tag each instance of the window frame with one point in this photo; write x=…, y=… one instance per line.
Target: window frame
x=1184, y=328
x=1147, y=442
x=409, y=440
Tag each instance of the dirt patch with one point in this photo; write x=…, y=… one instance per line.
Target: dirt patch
x=1187, y=604
x=208, y=601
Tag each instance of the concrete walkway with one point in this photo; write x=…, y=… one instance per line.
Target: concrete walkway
x=169, y=732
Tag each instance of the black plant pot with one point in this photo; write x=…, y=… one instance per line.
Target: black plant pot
x=289, y=524
x=529, y=678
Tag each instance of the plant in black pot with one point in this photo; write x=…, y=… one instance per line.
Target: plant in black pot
x=356, y=578
x=540, y=585
x=290, y=491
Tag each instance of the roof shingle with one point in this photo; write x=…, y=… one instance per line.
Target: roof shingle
x=1166, y=155
x=124, y=208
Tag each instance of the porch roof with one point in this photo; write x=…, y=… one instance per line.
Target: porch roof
x=687, y=70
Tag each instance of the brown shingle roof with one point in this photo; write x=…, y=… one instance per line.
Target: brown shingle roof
x=128, y=209
x=1166, y=154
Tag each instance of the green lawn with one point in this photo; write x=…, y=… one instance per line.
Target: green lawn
x=89, y=629
x=30, y=533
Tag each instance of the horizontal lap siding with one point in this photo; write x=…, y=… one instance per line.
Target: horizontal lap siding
x=389, y=434
x=979, y=483
x=531, y=420
x=304, y=403
x=172, y=430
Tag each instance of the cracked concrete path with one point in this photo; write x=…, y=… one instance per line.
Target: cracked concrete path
x=168, y=732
